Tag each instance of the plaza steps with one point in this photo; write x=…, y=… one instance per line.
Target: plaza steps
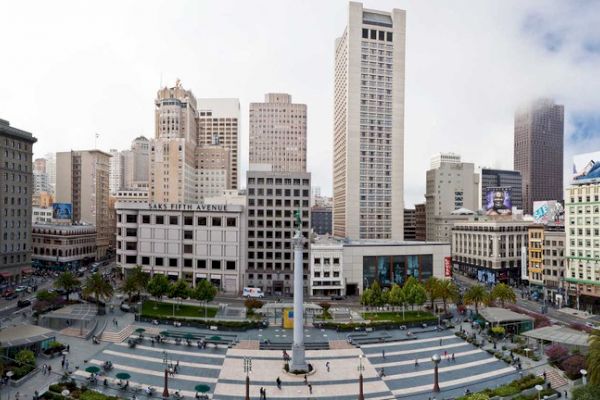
x=288, y=345
x=74, y=332
x=339, y=345
x=247, y=345
x=555, y=378
x=117, y=337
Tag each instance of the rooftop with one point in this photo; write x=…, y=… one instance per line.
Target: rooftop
x=497, y=315
x=19, y=335
x=78, y=312
x=560, y=334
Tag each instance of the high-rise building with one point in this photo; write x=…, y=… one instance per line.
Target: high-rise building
x=220, y=118
x=420, y=222
x=173, y=149
x=320, y=220
x=278, y=134
x=51, y=171
x=213, y=169
x=82, y=179
x=451, y=185
x=16, y=148
x=136, y=164
x=538, y=151
x=40, y=177
x=368, y=139
x=39, y=165
x=546, y=261
x=502, y=178
x=273, y=197
x=410, y=224
x=116, y=171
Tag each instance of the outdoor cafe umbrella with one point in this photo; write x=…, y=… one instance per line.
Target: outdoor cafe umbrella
x=123, y=375
x=202, y=388
x=140, y=330
x=215, y=338
x=92, y=369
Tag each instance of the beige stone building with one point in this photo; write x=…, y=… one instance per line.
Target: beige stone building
x=64, y=245
x=213, y=170
x=546, y=261
x=368, y=132
x=82, y=179
x=278, y=134
x=220, y=119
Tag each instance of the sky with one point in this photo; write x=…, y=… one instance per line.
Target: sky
x=70, y=69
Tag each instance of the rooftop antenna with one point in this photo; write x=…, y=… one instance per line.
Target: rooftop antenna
x=161, y=79
x=96, y=136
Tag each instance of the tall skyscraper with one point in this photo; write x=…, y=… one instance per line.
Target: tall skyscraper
x=278, y=134
x=538, y=151
x=214, y=170
x=502, y=178
x=368, y=140
x=40, y=177
x=136, y=164
x=116, y=171
x=51, y=170
x=82, y=179
x=451, y=185
x=16, y=148
x=220, y=118
x=173, y=149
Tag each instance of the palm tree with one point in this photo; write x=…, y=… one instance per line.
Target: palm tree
x=432, y=287
x=593, y=357
x=504, y=293
x=448, y=291
x=97, y=286
x=476, y=294
x=130, y=286
x=67, y=282
x=140, y=277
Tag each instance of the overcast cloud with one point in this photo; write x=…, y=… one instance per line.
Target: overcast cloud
x=69, y=69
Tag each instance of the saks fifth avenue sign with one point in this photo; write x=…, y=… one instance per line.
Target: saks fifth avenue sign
x=187, y=207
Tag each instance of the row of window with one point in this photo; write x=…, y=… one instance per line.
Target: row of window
x=230, y=222
x=374, y=34
x=187, y=262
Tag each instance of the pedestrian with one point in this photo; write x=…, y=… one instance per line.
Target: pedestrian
x=68, y=347
x=17, y=395
x=453, y=359
x=416, y=362
x=566, y=394
x=440, y=342
x=382, y=372
x=62, y=363
x=265, y=393
x=49, y=369
x=544, y=376
x=445, y=353
x=309, y=388
x=67, y=365
x=383, y=353
x=305, y=379
x=327, y=365
x=278, y=383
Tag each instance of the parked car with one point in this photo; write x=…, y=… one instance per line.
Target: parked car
x=338, y=297
x=23, y=303
x=20, y=288
x=11, y=295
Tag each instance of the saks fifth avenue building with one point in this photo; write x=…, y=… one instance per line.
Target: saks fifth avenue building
x=187, y=241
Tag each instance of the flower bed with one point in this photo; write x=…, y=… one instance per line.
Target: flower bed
x=515, y=387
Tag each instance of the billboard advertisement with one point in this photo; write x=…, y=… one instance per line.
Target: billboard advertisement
x=550, y=211
x=498, y=201
x=62, y=211
x=586, y=167
x=447, y=267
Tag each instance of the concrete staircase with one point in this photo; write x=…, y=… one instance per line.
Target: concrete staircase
x=117, y=337
x=555, y=378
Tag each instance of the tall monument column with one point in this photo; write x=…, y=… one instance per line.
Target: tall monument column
x=298, y=356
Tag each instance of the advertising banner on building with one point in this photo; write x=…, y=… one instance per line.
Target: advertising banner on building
x=447, y=267
x=586, y=167
x=288, y=318
x=62, y=211
x=498, y=201
x=524, y=274
x=550, y=211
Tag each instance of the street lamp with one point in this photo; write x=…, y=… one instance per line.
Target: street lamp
x=247, y=370
x=9, y=374
x=539, y=389
x=436, y=360
x=583, y=373
x=360, y=369
x=166, y=388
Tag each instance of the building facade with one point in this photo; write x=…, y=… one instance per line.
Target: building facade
x=116, y=164
x=51, y=171
x=321, y=220
x=420, y=222
x=491, y=178
x=451, y=185
x=214, y=170
x=273, y=198
x=582, y=228
x=16, y=186
x=489, y=249
x=193, y=242
x=546, y=261
x=66, y=246
x=41, y=215
x=83, y=181
x=368, y=132
x=136, y=164
x=220, y=118
x=326, y=268
x=410, y=224
x=132, y=196
x=538, y=151
x=278, y=134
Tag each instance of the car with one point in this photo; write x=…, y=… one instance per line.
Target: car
x=23, y=303
x=11, y=296
x=591, y=325
x=338, y=297
x=20, y=288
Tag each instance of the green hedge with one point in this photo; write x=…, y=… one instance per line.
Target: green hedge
x=204, y=323
x=511, y=389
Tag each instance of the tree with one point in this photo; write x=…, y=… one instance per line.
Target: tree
x=448, y=291
x=204, y=291
x=158, y=286
x=593, y=357
x=432, y=287
x=476, y=295
x=504, y=293
x=573, y=365
x=25, y=358
x=97, y=286
x=587, y=392
x=396, y=296
x=67, y=282
x=130, y=286
x=373, y=296
x=179, y=289
x=556, y=353
x=140, y=277
x=45, y=295
x=414, y=292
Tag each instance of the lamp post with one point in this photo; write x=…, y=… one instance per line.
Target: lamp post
x=361, y=368
x=166, y=388
x=539, y=389
x=436, y=360
x=583, y=373
x=9, y=374
x=247, y=370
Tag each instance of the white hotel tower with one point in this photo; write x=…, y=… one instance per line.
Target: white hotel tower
x=368, y=142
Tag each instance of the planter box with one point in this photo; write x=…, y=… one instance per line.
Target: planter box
x=24, y=379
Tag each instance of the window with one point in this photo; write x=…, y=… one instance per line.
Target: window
x=145, y=219
x=160, y=220
x=187, y=262
x=145, y=260
x=188, y=249
x=231, y=222
x=389, y=36
x=230, y=265
x=131, y=232
x=172, y=262
x=173, y=220
x=216, y=221
x=215, y=264
x=130, y=245
x=201, y=221
x=188, y=220
x=365, y=33
x=158, y=261
x=201, y=264
x=373, y=34
x=188, y=234
x=130, y=259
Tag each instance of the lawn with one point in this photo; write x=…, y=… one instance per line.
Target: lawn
x=409, y=316
x=156, y=309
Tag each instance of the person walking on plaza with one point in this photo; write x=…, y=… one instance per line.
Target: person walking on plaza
x=305, y=379
x=440, y=342
x=309, y=388
x=416, y=362
x=278, y=381
x=383, y=353
x=327, y=365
